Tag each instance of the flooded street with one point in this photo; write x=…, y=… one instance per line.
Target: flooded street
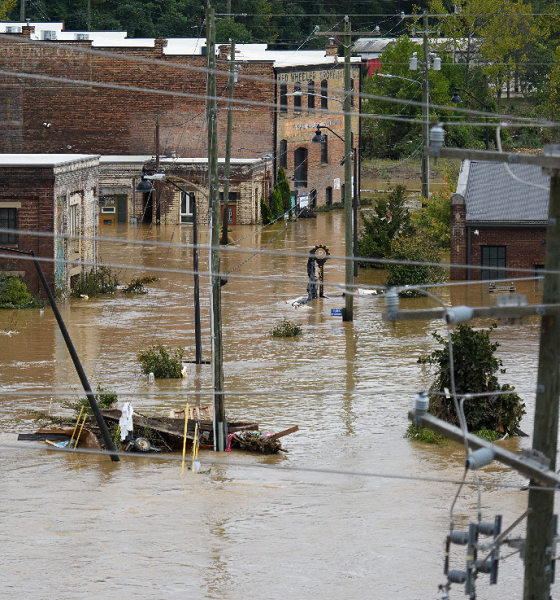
x=340, y=515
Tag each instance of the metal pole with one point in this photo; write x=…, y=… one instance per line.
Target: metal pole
x=538, y=554
x=349, y=247
x=77, y=364
x=487, y=133
x=355, y=206
x=425, y=111
x=228, y=143
x=214, y=206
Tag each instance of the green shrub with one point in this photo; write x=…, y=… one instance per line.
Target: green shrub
x=14, y=294
x=489, y=435
x=96, y=282
x=266, y=213
x=159, y=361
x=136, y=286
x=286, y=329
x=423, y=434
x=475, y=368
x=328, y=207
x=103, y=399
x=418, y=249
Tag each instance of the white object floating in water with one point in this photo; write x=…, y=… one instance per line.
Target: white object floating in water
x=151, y=378
x=85, y=296
x=363, y=292
x=125, y=421
x=184, y=371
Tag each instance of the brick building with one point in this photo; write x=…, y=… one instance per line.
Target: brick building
x=120, y=202
x=497, y=220
x=55, y=194
x=54, y=103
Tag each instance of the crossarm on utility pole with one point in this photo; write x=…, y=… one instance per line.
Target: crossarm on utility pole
x=540, y=474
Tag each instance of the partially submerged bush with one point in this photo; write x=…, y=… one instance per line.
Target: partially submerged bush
x=475, y=368
x=423, y=434
x=96, y=282
x=14, y=294
x=136, y=286
x=157, y=359
x=104, y=400
x=286, y=329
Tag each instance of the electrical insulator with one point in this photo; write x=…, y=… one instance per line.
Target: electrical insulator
x=479, y=458
x=484, y=568
x=458, y=314
x=486, y=528
x=413, y=62
x=437, y=64
x=456, y=576
x=421, y=405
x=437, y=136
x=459, y=537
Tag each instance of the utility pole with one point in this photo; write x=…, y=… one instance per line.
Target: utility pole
x=220, y=425
x=156, y=187
x=348, y=313
x=425, y=110
x=538, y=553
x=228, y=142
x=22, y=11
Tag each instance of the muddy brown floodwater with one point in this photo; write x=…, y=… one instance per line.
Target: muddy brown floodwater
x=261, y=527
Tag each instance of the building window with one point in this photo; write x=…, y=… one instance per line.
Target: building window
x=324, y=150
x=297, y=99
x=187, y=204
x=73, y=229
x=8, y=220
x=284, y=154
x=328, y=196
x=283, y=98
x=232, y=197
x=493, y=256
x=342, y=192
x=300, y=168
x=310, y=96
x=324, y=94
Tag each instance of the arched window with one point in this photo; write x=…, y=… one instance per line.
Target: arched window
x=300, y=168
x=324, y=150
x=324, y=95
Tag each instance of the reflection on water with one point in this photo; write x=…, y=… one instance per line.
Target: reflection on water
x=84, y=525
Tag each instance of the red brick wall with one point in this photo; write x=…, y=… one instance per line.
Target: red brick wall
x=86, y=119
x=34, y=188
x=525, y=247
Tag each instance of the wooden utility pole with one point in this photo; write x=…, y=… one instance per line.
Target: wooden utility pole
x=220, y=425
x=425, y=110
x=348, y=314
x=539, y=553
x=228, y=142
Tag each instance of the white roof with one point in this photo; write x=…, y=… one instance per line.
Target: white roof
x=43, y=160
x=165, y=161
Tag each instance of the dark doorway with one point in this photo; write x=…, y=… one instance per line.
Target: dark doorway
x=147, y=207
x=121, y=209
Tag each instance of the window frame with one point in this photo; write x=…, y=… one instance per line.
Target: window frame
x=300, y=167
x=498, y=263
x=324, y=95
x=184, y=215
x=324, y=150
x=9, y=221
x=297, y=99
x=283, y=98
x=284, y=154
x=311, y=95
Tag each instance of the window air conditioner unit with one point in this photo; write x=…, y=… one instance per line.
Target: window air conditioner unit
x=49, y=35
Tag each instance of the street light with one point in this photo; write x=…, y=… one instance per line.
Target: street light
x=318, y=139
x=456, y=99
x=145, y=185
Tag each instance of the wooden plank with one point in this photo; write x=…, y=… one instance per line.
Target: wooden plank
x=285, y=432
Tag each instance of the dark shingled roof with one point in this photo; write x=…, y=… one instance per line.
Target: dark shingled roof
x=493, y=195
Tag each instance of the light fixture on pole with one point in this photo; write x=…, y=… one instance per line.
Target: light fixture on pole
x=318, y=139
x=145, y=185
x=456, y=99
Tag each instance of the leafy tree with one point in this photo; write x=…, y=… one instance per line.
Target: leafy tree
x=228, y=29
x=391, y=219
x=157, y=359
x=276, y=205
x=284, y=185
x=266, y=213
x=433, y=220
x=418, y=249
x=6, y=6
x=475, y=369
